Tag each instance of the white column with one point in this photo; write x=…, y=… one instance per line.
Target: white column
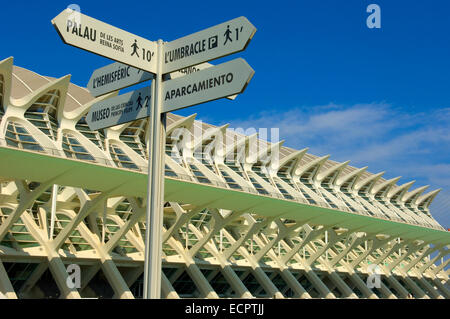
x=53, y=210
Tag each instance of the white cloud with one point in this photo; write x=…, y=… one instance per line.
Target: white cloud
x=413, y=145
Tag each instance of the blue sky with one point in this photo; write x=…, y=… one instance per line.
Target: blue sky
x=377, y=97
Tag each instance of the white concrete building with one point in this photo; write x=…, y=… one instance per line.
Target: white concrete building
x=243, y=217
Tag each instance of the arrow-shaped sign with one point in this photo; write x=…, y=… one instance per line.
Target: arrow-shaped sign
x=120, y=109
x=192, y=69
x=209, y=44
x=89, y=34
x=209, y=84
x=115, y=76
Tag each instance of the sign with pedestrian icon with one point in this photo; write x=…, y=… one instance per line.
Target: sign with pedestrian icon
x=89, y=34
x=212, y=43
x=120, y=109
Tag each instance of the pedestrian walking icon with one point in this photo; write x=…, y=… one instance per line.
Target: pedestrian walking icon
x=135, y=48
x=139, y=102
x=227, y=35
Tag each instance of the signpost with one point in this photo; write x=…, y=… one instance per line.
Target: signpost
x=209, y=44
x=89, y=34
x=120, y=109
x=114, y=77
x=189, y=80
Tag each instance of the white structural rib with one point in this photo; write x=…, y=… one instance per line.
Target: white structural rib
x=216, y=133
x=356, y=173
x=185, y=122
x=410, y=197
x=269, y=157
x=6, y=71
x=317, y=163
x=339, y=167
x=384, y=187
x=61, y=84
x=370, y=181
x=425, y=200
x=399, y=191
x=75, y=115
x=241, y=142
x=297, y=155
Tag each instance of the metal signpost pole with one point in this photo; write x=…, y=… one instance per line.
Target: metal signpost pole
x=154, y=218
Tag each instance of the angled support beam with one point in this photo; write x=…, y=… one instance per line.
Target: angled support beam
x=343, y=287
x=441, y=266
x=443, y=288
x=310, y=235
x=411, y=250
x=133, y=274
x=108, y=266
x=88, y=207
x=138, y=212
x=235, y=282
x=432, y=291
x=442, y=253
x=33, y=279
x=216, y=223
x=265, y=248
x=89, y=275
x=387, y=292
x=429, y=250
x=57, y=267
x=287, y=276
x=6, y=287
x=59, y=272
x=375, y=244
x=182, y=218
x=293, y=283
x=318, y=284
x=167, y=289
x=415, y=288
x=227, y=271
x=403, y=293
x=362, y=286
x=194, y=272
x=259, y=274
x=266, y=283
x=27, y=199
x=253, y=228
x=354, y=242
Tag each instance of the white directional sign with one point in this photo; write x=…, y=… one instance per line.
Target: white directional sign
x=120, y=109
x=218, y=41
x=103, y=39
x=192, y=69
x=114, y=77
x=209, y=84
